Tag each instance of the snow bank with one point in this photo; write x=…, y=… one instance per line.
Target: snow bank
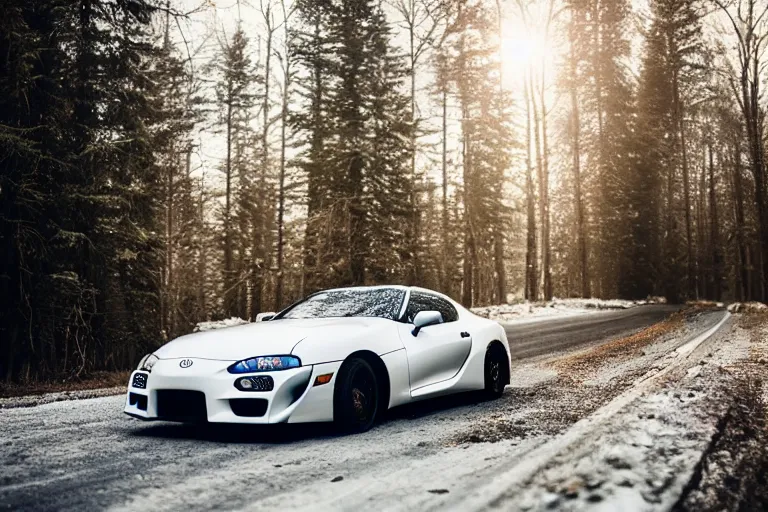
x=219, y=324
x=747, y=307
x=557, y=308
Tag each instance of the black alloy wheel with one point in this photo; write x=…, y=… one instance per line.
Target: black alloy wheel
x=356, y=397
x=496, y=369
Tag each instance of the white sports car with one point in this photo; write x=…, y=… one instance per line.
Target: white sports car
x=344, y=355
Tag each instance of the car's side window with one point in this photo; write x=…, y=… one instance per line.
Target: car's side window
x=418, y=302
x=427, y=302
x=446, y=308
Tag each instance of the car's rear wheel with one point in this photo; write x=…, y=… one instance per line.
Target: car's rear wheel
x=496, y=369
x=356, y=397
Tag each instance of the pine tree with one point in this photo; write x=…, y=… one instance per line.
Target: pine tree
x=174, y=102
x=235, y=79
x=485, y=145
x=358, y=149
x=671, y=75
x=311, y=50
x=602, y=50
x=573, y=83
x=747, y=18
x=655, y=166
x=391, y=194
x=77, y=118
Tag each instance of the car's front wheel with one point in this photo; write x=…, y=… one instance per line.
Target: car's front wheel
x=356, y=397
x=496, y=369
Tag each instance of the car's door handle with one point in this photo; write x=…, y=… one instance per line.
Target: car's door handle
x=465, y=334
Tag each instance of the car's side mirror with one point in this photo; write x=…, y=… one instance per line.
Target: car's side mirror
x=264, y=317
x=425, y=319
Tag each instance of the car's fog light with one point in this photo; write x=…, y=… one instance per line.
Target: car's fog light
x=255, y=383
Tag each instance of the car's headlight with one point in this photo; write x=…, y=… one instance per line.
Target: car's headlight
x=147, y=362
x=265, y=364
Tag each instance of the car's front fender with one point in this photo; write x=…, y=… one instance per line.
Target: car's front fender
x=380, y=338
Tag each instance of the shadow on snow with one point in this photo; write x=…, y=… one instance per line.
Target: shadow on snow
x=282, y=433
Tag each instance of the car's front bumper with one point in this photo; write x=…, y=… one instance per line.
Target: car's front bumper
x=294, y=398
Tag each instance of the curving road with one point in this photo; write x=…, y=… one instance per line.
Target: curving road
x=86, y=455
x=547, y=337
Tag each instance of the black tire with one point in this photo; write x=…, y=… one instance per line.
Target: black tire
x=496, y=370
x=356, y=397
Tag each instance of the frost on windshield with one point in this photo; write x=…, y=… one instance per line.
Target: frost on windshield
x=381, y=303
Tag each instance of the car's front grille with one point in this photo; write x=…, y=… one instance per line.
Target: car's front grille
x=140, y=381
x=181, y=405
x=249, y=407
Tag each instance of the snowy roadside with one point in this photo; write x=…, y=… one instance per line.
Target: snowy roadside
x=654, y=446
x=557, y=308
x=59, y=396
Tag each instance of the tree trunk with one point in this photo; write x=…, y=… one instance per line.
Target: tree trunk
x=715, y=233
x=415, y=273
x=581, y=229
x=601, y=157
x=357, y=239
x=498, y=235
x=281, y=199
x=743, y=273
x=445, y=277
x=228, y=277
x=531, y=273
x=671, y=291
x=469, y=237
x=539, y=170
x=202, y=264
x=260, y=250
x=314, y=193
x=701, y=224
x=680, y=121
x=280, y=282
x=544, y=197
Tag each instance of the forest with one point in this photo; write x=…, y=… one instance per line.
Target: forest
x=167, y=162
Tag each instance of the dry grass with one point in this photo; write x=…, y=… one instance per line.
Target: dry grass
x=622, y=348
x=97, y=380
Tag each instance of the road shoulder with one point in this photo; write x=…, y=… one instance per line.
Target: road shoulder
x=660, y=444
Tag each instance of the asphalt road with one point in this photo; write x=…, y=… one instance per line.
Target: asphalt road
x=87, y=455
x=545, y=337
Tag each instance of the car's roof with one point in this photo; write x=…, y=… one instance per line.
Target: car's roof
x=374, y=287
x=383, y=287
x=393, y=287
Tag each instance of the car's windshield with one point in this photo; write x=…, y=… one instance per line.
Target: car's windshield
x=351, y=302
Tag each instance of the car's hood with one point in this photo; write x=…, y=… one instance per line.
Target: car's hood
x=275, y=337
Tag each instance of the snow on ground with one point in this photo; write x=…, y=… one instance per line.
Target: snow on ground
x=525, y=311
x=748, y=307
x=59, y=396
x=642, y=449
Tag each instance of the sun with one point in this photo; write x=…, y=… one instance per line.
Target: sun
x=522, y=48
x=518, y=52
